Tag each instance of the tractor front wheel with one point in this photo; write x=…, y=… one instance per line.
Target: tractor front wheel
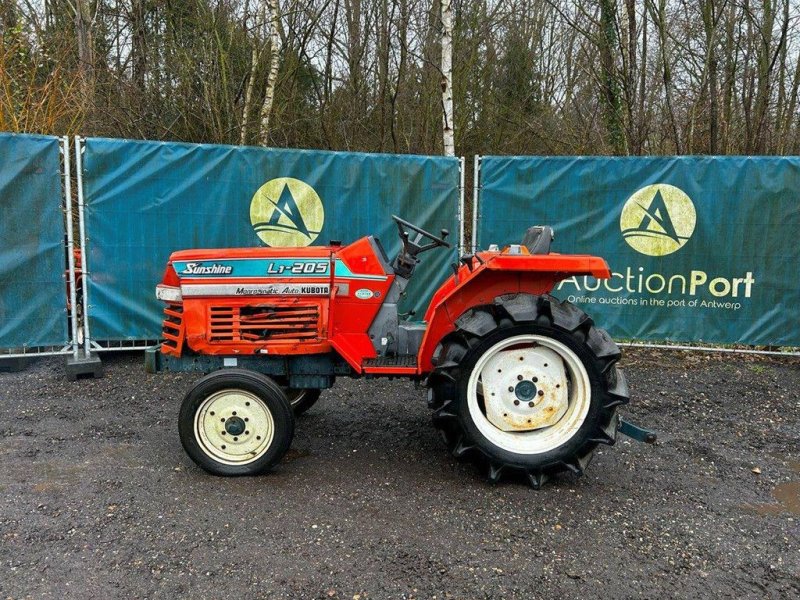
x=527, y=385
x=236, y=422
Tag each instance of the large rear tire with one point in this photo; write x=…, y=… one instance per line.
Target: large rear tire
x=527, y=385
x=236, y=422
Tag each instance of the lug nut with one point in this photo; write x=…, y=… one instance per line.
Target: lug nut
x=236, y=439
x=223, y=432
x=535, y=379
x=516, y=402
x=530, y=404
x=247, y=433
x=519, y=377
x=510, y=389
x=540, y=392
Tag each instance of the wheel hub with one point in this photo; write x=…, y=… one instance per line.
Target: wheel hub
x=525, y=390
x=235, y=426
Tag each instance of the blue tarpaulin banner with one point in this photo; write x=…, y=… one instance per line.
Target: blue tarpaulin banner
x=702, y=249
x=32, y=260
x=145, y=200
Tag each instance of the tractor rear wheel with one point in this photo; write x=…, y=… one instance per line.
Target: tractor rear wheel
x=236, y=422
x=527, y=385
x=301, y=399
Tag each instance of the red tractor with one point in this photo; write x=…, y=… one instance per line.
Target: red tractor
x=518, y=380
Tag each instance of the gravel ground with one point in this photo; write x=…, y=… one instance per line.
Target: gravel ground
x=98, y=499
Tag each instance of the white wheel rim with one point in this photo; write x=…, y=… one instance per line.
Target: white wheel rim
x=561, y=398
x=234, y=427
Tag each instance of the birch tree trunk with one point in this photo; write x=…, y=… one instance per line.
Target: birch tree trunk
x=447, y=78
x=272, y=76
x=248, y=95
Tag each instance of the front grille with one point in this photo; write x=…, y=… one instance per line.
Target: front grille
x=172, y=328
x=263, y=323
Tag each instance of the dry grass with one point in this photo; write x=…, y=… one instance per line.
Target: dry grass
x=37, y=94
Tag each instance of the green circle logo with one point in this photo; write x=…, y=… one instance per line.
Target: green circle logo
x=658, y=219
x=287, y=212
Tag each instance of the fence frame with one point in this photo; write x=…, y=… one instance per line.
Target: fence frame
x=89, y=343
x=66, y=206
x=83, y=349
x=93, y=345
x=718, y=348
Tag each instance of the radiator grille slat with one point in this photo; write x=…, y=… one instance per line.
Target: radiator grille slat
x=262, y=323
x=172, y=328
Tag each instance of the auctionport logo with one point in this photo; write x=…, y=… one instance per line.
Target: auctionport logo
x=287, y=212
x=658, y=219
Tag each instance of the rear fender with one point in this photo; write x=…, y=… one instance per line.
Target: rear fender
x=499, y=273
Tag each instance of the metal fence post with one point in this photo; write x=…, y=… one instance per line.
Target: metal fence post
x=73, y=316
x=82, y=234
x=88, y=364
x=476, y=174
x=461, y=241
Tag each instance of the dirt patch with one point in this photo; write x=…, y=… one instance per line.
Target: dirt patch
x=99, y=500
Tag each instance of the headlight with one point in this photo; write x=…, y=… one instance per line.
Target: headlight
x=167, y=293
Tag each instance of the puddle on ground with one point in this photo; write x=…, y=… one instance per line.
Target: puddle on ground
x=787, y=495
x=295, y=453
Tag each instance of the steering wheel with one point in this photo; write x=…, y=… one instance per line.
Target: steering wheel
x=415, y=246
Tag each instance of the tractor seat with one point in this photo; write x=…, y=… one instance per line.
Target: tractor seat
x=537, y=239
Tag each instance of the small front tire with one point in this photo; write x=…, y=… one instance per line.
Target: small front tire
x=236, y=422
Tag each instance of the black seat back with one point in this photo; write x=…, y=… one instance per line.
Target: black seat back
x=537, y=239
